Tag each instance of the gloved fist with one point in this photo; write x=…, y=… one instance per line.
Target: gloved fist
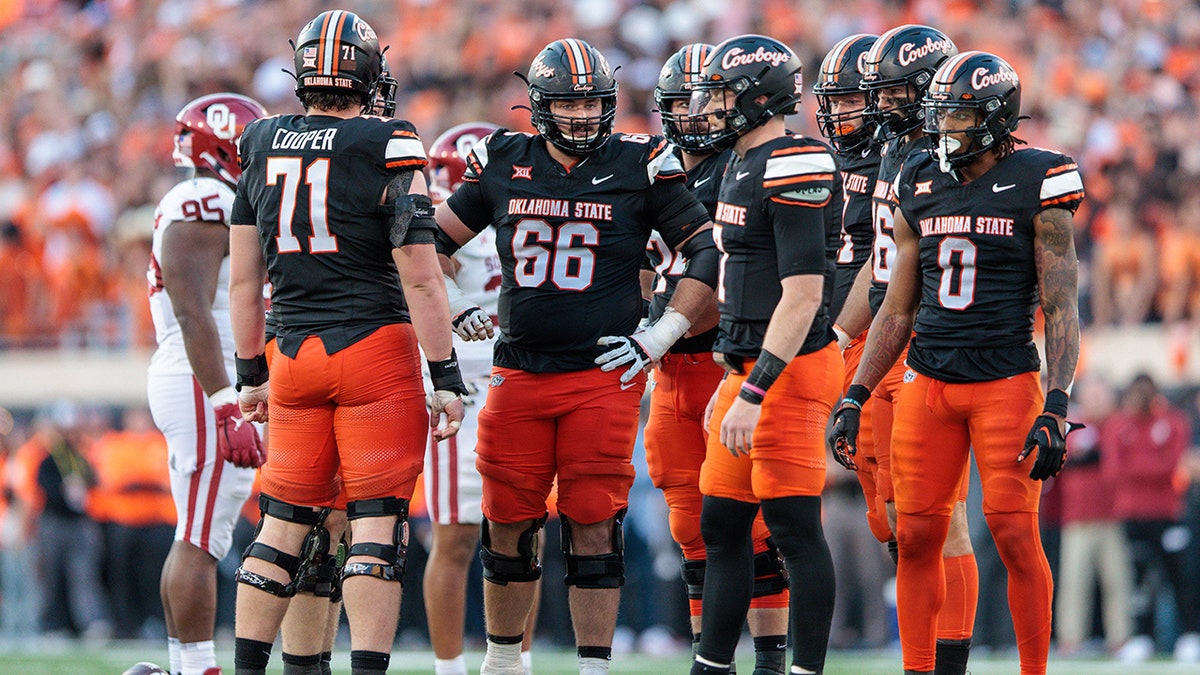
x=1051, y=446
x=237, y=440
x=473, y=324
x=623, y=350
x=841, y=434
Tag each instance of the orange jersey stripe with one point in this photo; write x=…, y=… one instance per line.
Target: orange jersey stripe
x=782, y=152
x=794, y=180
x=1062, y=169
x=405, y=133
x=417, y=163
x=1065, y=198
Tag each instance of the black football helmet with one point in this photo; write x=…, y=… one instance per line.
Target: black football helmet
x=683, y=69
x=384, y=103
x=841, y=74
x=338, y=52
x=976, y=81
x=565, y=70
x=748, y=67
x=904, y=56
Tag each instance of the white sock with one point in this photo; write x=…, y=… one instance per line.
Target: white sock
x=590, y=665
x=197, y=657
x=527, y=661
x=503, y=657
x=454, y=666
x=797, y=670
x=174, y=657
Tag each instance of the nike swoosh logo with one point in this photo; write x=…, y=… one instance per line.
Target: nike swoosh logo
x=598, y=180
x=702, y=181
x=628, y=385
x=741, y=174
x=996, y=187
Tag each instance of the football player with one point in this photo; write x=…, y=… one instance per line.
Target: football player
x=778, y=222
x=213, y=451
x=573, y=206
x=332, y=210
x=984, y=234
x=896, y=71
x=453, y=487
x=685, y=378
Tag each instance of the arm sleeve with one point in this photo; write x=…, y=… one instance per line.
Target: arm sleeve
x=676, y=211
x=799, y=238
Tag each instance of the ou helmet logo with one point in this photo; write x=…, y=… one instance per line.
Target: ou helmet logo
x=465, y=144
x=222, y=121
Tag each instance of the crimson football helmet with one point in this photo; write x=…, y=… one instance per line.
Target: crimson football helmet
x=683, y=69
x=841, y=75
x=982, y=83
x=905, y=56
x=338, y=52
x=747, y=67
x=448, y=157
x=565, y=70
x=207, y=132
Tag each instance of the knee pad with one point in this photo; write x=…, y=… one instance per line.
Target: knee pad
x=395, y=554
x=693, y=577
x=321, y=578
x=606, y=570
x=501, y=569
x=770, y=575
x=293, y=565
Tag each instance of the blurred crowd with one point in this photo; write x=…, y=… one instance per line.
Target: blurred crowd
x=93, y=87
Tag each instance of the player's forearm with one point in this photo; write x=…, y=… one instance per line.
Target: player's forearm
x=425, y=292
x=855, y=316
x=889, y=334
x=692, y=298
x=793, y=316
x=202, y=343
x=1058, y=281
x=247, y=313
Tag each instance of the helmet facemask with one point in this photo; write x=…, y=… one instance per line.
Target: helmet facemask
x=849, y=128
x=945, y=119
x=574, y=135
x=898, y=120
x=716, y=104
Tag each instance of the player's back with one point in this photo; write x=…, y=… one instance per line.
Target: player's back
x=979, y=276
x=314, y=185
x=206, y=200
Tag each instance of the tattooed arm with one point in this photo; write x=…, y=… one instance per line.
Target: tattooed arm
x=1058, y=282
x=892, y=326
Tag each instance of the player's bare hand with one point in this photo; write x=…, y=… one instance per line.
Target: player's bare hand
x=473, y=324
x=448, y=405
x=708, y=411
x=737, y=428
x=253, y=402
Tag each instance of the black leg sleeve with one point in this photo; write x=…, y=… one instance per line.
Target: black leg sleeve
x=729, y=578
x=795, y=524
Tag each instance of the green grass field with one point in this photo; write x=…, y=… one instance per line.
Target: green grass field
x=76, y=659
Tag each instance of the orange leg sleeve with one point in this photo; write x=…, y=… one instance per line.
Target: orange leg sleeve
x=956, y=621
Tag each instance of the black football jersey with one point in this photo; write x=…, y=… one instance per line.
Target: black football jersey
x=778, y=215
x=893, y=157
x=979, y=284
x=704, y=180
x=313, y=185
x=859, y=170
x=571, y=243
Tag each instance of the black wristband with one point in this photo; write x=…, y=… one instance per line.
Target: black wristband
x=446, y=376
x=250, y=372
x=1056, y=402
x=766, y=370
x=857, y=394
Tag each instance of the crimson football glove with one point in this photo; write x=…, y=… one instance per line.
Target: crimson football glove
x=1051, y=446
x=842, y=433
x=237, y=440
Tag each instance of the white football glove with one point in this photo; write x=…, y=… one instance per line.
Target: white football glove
x=469, y=321
x=645, y=347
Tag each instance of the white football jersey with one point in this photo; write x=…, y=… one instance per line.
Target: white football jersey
x=197, y=199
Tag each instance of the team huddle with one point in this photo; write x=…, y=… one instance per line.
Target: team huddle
x=493, y=311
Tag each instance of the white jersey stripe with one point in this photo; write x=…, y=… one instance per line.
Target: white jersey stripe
x=798, y=165
x=1062, y=184
x=404, y=147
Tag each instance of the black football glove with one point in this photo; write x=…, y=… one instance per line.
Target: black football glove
x=1051, y=446
x=842, y=432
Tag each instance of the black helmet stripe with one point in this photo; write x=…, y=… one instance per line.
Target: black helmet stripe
x=331, y=41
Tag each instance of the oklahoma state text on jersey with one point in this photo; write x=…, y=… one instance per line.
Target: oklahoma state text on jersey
x=571, y=242
x=979, y=283
x=704, y=180
x=313, y=186
x=757, y=228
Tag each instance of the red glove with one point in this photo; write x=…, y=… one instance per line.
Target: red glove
x=237, y=440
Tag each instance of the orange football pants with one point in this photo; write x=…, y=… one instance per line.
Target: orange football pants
x=578, y=426
x=360, y=411
x=787, y=454
x=676, y=443
x=936, y=425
